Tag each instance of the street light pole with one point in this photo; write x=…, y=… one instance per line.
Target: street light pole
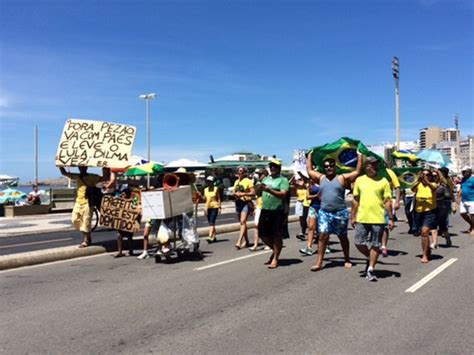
x=147, y=98
x=396, y=76
x=36, y=155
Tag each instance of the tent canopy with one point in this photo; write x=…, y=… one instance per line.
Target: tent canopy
x=186, y=163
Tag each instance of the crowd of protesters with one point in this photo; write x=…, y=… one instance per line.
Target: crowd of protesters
x=320, y=206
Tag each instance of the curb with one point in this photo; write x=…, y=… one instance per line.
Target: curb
x=30, y=258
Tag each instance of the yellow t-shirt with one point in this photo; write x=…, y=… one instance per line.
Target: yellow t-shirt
x=82, y=184
x=425, y=199
x=372, y=195
x=395, y=183
x=259, y=202
x=212, y=197
x=244, y=185
x=301, y=193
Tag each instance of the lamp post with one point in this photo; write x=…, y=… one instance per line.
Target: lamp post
x=36, y=155
x=147, y=98
x=396, y=76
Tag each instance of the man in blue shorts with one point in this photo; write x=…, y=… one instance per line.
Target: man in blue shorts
x=333, y=217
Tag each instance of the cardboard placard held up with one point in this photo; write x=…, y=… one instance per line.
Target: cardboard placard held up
x=95, y=143
x=161, y=204
x=120, y=213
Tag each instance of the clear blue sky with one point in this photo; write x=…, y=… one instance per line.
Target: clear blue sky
x=261, y=76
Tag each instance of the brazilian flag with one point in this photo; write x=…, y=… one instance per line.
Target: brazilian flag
x=344, y=152
x=405, y=155
x=407, y=176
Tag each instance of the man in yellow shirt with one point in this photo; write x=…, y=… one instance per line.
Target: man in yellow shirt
x=82, y=213
x=395, y=189
x=425, y=206
x=372, y=196
x=243, y=193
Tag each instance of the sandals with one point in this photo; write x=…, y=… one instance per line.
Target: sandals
x=316, y=268
x=84, y=244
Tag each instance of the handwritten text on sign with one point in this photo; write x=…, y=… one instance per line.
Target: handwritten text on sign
x=95, y=143
x=120, y=214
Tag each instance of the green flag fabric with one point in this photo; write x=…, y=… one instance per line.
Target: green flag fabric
x=344, y=152
x=407, y=176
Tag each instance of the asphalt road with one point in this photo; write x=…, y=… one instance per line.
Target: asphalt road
x=230, y=303
x=39, y=241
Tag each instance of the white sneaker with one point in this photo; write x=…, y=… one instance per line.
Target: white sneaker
x=267, y=248
x=143, y=255
x=434, y=246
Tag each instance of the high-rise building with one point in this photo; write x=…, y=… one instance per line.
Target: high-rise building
x=466, y=151
x=432, y=136
x=451, y=135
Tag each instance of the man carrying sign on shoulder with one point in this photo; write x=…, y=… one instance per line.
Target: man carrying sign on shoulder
x=333, y=216
x=82, y=212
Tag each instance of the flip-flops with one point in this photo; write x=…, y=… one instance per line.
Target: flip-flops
x=84, y=245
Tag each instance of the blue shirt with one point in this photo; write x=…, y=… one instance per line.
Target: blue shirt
x=315, y=202
x=467, y=187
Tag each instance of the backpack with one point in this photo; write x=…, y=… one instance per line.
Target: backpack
x=93, y=195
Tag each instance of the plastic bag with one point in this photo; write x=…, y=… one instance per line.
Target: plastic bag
x=189, y=233
x=164, y=234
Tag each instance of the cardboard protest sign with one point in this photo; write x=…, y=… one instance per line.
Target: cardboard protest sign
x=163, y=204
x=95, y=143
x=120, y=213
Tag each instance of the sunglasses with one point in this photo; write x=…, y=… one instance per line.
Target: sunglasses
x=329, y=165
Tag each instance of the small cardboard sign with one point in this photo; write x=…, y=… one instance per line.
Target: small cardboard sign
x=120, y=213
x=95, y=143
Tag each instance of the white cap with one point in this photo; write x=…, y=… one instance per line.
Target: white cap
x=466, y=168
x=210, y=178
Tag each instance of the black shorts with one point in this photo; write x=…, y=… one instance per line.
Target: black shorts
x=426, y=219
x=271, y=224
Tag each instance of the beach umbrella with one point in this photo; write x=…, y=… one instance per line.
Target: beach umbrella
x=434, y=156
x=145, y=169
x=11, y=195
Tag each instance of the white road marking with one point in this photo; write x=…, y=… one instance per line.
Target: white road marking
x=431, y=276
x=53, y=262
x=231, y=260
x=34, y=243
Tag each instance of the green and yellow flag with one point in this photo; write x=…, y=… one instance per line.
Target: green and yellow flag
x=344, y=152
x=407, y=176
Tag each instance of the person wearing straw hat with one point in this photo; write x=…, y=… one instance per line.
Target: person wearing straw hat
x=82, y=213
x=271, y=225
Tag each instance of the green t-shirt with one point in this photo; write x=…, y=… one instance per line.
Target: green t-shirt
x=271, y=202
